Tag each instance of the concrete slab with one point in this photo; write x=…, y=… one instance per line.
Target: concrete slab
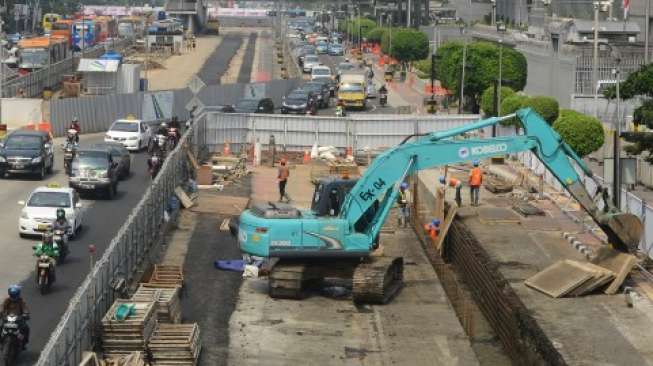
x=497, y=214
x=558, y=279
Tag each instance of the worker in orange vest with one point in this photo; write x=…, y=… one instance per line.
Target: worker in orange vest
x=458, y=185
x=432, y=229
x=475, y=181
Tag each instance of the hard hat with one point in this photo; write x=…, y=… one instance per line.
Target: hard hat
x=404, y=185
x=475, y=162
x=442, y=180
x=435, y=222
x=75, y=119
x=14, y=291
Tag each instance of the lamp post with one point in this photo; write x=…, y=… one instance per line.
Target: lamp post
x=616, y=152
x=462, y=74
x=494, y=11
x=500, y=76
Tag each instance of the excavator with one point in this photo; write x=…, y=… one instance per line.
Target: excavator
x=335, y=238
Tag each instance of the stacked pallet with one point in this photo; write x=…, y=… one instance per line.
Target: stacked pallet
x=166, y=276
x=168, y=307
x=122, y=337
x=175, y=344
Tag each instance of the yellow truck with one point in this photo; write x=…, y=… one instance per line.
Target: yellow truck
x=352, y=90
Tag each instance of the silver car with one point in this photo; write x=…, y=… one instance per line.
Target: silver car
x=372, y=92
x=309, y=62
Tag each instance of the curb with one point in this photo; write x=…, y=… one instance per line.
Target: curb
x=578, y=245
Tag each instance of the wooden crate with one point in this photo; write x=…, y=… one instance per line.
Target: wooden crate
x=167, y=300
x=167, y=276
x=175, y=344
x=120, y=338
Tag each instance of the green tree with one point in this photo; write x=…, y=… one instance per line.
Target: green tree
x=511, y=105
x=482, y=68
x=376, y=34
x=353, y=27
x=546, y=107
x=582, y=132
x=487, y=99
x=409, y=45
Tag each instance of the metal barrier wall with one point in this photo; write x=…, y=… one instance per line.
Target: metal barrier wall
x=142, y=229
x=298, y=132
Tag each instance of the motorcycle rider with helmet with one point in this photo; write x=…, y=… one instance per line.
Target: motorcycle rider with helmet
x=49, y=248
x=15, y=305
x=154, y=163
x=61, y=223
x=74, y=125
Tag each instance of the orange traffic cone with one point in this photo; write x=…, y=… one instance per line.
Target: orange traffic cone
x=226, y=150
x=307, y=157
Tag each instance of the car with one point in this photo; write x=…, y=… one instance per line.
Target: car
x=119, y=154
x=309, y=62
x=322, y=48
x=94, y=170
x=336, y=49
x=299, y=101
x=344, y=67
x=40, y=209
x=320, y=71
x=254, y=105
x=27, y=151
x=330, y=84
x=372, y=92
x=320, y=91
x=305, y=51
x=132, y=133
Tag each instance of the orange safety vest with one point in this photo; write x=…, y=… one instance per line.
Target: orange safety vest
x=475, y=177
x=453, y=182
x=432, y=231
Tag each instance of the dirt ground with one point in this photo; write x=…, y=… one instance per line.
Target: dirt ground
x=185, y=66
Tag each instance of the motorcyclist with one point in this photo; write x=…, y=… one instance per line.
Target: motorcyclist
x=383, y=90
x=61, y=223
x=340, y=108
x=74, y=125
x=154, y=164
x=15, y=305
x=163, y=129
x=49, y=248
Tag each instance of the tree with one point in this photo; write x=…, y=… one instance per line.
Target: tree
x=582, y=132
x=376, y=34
x=351, y=27
x=482, y=68
x=487, y=99
x=409, y=45
x=511, y=105
x=546, y=107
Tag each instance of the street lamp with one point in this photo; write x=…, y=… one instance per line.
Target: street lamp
x=462, y=74
x=500, y=76
x=602, y=6
x=616, y=151
x=494, y=11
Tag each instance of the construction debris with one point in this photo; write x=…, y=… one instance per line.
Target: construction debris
x=526, y=209
x=168, y=307
x=132, y=359
x=338, y=166
x=496, y=185
x=175, y=344
x=165, y=276
x=619, y=263
x=122, y=337
x=570, y=278
x=186, y=201
x=220, y=170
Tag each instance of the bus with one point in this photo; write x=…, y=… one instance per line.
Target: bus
x=39, y=52
x=63, y=28
x=48, y=20
x=85, y=34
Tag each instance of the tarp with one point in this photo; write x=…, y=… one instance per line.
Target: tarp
x=97, y=65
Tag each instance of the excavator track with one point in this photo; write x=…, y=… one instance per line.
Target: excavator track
x=378, y=280
x=286, y=280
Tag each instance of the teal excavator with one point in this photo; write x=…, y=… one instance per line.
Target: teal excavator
x=334, y=239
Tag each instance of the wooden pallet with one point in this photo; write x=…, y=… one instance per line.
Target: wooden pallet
x=167, y=276
x=120, y=338
x=167, y=299
x=175, y=344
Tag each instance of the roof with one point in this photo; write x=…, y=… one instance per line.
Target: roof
x=98, y=65
x=587, y=26
x=40, y=42
x=128, y=120
x=53, y=189
x=21, y=132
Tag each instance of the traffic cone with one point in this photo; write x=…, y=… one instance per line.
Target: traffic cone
x=226, y=150
x=307, y=157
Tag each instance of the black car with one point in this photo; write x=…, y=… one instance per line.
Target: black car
x=330, y=84
x=120, y=155
x=321, y=92
x=253, y=105
x=94, y=170
x=26, y=151
x=299, y=101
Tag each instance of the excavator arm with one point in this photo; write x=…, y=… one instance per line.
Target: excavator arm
x=382, y=178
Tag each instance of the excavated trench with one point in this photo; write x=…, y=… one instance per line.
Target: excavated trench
x=498, y=324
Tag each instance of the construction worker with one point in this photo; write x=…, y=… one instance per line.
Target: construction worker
x=475, y=181
x=432, y=229
x=403, y=199
x=457, y=184
x=282, y=176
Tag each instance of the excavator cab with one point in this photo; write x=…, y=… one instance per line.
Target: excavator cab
x=329, y=195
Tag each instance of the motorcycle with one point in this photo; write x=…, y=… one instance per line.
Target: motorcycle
x=45, y=273
x=172, y=138
x=162, y=141
x=11, y=339
x=61, y=239
x=340, y=111
x=383, y=99
x=154, y=166
x=69, y=152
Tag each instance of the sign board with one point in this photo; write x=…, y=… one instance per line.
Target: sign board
x=196, y=85
x=158, y=105
x=194, y=103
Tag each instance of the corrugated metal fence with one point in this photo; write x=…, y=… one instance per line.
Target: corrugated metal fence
x=98, y=112
x=298, y=132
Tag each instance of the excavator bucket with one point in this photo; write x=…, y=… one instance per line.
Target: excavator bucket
x=624, y=231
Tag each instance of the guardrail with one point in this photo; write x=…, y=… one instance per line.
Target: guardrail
x=128, y=249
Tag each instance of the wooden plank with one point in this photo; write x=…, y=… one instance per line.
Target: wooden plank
x=619, y=263
x=444, y=228
x=558, y=279
x=439, y=204
x=192, y=159
x=183, y=197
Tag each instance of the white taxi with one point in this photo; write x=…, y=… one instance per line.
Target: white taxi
x=40, y=209
x=132, y=133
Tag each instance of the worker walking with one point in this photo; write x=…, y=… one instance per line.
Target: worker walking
x=403, y=199
x=282, y=176
x=457, y=184
x=475, y=181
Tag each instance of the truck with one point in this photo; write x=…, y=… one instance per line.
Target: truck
x=39, y=52
x=352, y=90
x=64, y=28
x=336, y=237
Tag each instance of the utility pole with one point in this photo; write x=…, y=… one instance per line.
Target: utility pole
x=595, y=60
x=462, y=77
x=616, y=195
x=408, y=11
x=500, y=76
x=646, y=27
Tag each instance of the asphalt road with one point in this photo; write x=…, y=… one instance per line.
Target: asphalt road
x=102, y=220
x=218, y=63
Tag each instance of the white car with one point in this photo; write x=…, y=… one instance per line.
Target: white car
x=320, y=72
x=40, y=210
x=310, y=61
x=134, y=134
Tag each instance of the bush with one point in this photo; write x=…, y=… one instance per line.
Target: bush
x=487, y=99
x=424, y=67
x=409, y=45
x=376, y=34
x=511, y=105
x=582, y=132
x=546, y=107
